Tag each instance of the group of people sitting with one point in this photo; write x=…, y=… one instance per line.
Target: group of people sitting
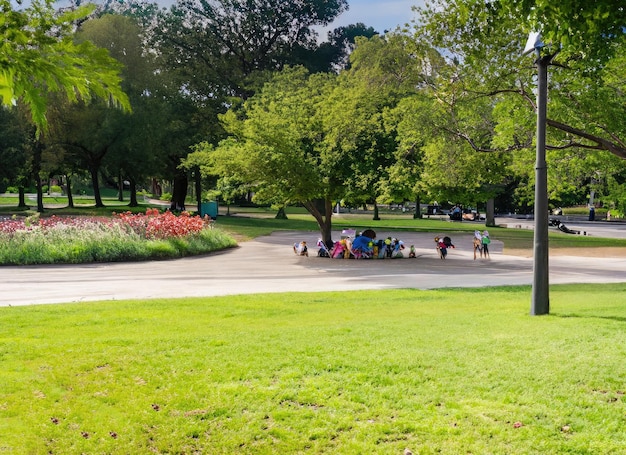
x=365, y=246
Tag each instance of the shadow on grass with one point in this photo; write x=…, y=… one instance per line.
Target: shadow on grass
x=589, y=316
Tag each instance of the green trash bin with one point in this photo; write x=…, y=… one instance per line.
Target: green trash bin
x=209, y=208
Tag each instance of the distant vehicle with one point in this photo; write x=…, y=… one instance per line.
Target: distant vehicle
x=472, y=215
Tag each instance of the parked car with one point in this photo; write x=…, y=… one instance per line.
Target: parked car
x=471, y=215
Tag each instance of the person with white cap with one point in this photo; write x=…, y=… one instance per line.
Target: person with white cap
x=486, y=241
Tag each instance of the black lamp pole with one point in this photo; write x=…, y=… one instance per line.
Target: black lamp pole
x=541, y=292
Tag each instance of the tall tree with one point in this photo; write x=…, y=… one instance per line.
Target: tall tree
x=136, y=151
x=39, y=56
x=15, y=151
x=484, y=41
x=278, y=144
x=334, y=55
x=488, y=75
x=98, y=137
x=218, y=50
x=386, y=71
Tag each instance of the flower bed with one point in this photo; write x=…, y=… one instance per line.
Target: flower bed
x=123, y=237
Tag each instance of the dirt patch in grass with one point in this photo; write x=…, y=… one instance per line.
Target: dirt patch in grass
x=601, y=252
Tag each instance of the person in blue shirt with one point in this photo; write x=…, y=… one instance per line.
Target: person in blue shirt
x=364, y=245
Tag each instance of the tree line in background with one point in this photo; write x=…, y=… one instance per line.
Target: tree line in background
x=241, y=98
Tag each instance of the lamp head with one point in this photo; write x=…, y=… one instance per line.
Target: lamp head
x=534, y=43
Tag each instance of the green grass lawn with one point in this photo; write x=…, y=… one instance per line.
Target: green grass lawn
x=371, y=372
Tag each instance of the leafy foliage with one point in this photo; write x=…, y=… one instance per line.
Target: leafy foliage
x=585, y=30
x=38, y=56
x=228, y=41
x=488, y=87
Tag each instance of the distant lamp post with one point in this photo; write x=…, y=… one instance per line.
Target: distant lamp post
x=540, y=293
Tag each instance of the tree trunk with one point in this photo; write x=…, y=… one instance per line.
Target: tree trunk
x=179, y=193
x=133, y=193
x=36, y=171
x=39, y=196
x=156, y=188
x=120, y=186
x=22, y=197
x=376, y=217
x=490, y=215
x=198, y=182
x=418, y=211
x=281, y=214
x=324, y=221
x=70, y=198
x=96, y=186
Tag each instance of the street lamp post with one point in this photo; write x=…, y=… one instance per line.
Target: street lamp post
x=540, y=303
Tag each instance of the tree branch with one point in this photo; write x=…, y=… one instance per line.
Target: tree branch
x=601, y=144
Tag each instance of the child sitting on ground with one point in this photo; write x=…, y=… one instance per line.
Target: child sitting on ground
x=301, y=249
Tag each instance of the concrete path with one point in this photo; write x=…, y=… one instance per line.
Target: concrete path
x=268, y=264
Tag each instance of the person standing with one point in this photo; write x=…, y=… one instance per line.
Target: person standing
x=485, y=242
x=478, y=244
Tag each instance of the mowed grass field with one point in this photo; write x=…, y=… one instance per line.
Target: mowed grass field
x=371, y=372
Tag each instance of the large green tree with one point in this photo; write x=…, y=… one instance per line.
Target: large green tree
x=15, y=151
x=219, y=50
x=483, y=43
x=90, y=132
x=136, y=146
x=279, y=144
x=39, y=57
x=383, y=71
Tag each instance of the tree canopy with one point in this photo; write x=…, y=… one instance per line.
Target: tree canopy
x=217, y=45
x=580, y=29
x=38, y=55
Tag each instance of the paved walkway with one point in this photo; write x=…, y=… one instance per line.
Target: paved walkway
x=268, y=264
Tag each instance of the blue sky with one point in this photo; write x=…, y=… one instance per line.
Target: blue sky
x=382, y=15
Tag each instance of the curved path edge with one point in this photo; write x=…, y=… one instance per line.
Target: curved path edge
x=268, y=265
